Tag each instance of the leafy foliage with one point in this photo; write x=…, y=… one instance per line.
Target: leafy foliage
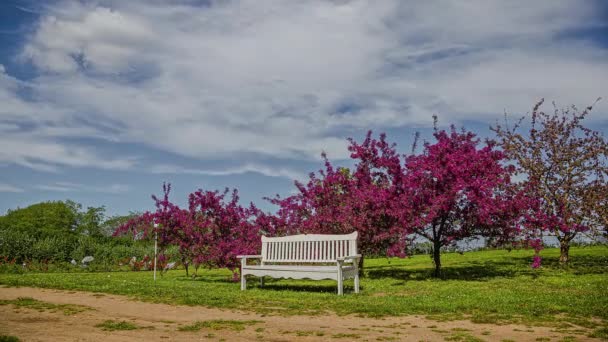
x=455, y=190
x=452, y=191
x=565, y=167
x=210, y=233
x=42, y=220
x=339, y=201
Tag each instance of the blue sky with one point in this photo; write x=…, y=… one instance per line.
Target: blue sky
x=102, y=101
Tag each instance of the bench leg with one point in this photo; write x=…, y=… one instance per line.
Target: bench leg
x=340, y=279
x=243, y=282
x=357, y=282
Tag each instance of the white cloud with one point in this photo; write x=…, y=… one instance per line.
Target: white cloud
x=47, y=155
x=97, y=36
x=76, y=187
x=9, y=188
x=281, y=79
x=246, y=168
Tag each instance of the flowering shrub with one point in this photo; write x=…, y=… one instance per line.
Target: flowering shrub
x=210, y=233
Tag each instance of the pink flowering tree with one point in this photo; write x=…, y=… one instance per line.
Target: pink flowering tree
x=210, y=233
x=455, y=190
x=172, y=226
x=340, y=201
x=564, y=165
x=221, y=229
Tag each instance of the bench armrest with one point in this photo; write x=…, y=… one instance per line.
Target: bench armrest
x=350, y=257
x=249, y=256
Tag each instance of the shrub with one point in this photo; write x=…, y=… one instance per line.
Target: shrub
x=16, y=245
x=54, y=249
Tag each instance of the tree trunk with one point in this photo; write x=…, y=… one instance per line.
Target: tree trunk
x=437, y=258
x=361, y=266
x=185, y=263
x=564, y=251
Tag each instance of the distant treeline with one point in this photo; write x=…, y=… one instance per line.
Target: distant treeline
x=60, y=234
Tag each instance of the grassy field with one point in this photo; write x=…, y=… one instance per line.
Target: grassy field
x=486, y=287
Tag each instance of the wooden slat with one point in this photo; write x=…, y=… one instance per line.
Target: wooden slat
x=298, y=243
x=308, y=248
x=277, y=255
x=274, y=250
x=277, y=252
x=311, y=237
x=270, y=248
x=292, y=252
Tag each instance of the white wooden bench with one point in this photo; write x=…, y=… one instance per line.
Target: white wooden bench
x=310, y=256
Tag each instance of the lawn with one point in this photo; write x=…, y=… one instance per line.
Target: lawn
x=486, y=286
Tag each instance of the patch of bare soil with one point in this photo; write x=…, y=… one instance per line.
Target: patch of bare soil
x=162, y=322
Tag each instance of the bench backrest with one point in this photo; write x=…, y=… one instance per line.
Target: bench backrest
x=308, y=248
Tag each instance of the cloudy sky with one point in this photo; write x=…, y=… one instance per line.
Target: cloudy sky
x=102, y=101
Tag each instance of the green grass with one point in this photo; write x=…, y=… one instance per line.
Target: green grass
x=349, y=336
x=600, y=333
x=111, y=325
x=219, y=324
x=31, y=303
x=464, y=337
x=8, y=338
x=486, y=287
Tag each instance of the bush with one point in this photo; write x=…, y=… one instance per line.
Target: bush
x=54, y=249
x=16, y=245
x=55, y=253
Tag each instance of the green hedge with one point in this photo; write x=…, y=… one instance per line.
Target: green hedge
x=46, y=253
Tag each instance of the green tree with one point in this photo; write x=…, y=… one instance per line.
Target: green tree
x=42, y=220
x=109, y=226
x=89, y=222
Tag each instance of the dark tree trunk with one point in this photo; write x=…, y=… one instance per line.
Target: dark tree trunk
x=185, y=263
x=437, y=258
x=361, y=266
x=564, y=251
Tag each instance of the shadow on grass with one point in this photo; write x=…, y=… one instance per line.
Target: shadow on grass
x=471, y=270
x=273, y=284
x=206, y=279
x=318, y=288
x=479, y=270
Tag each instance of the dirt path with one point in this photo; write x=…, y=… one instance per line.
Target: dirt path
x=160, y=322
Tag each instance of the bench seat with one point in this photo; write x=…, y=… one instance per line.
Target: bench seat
x=299, y=272
x=305, y=256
